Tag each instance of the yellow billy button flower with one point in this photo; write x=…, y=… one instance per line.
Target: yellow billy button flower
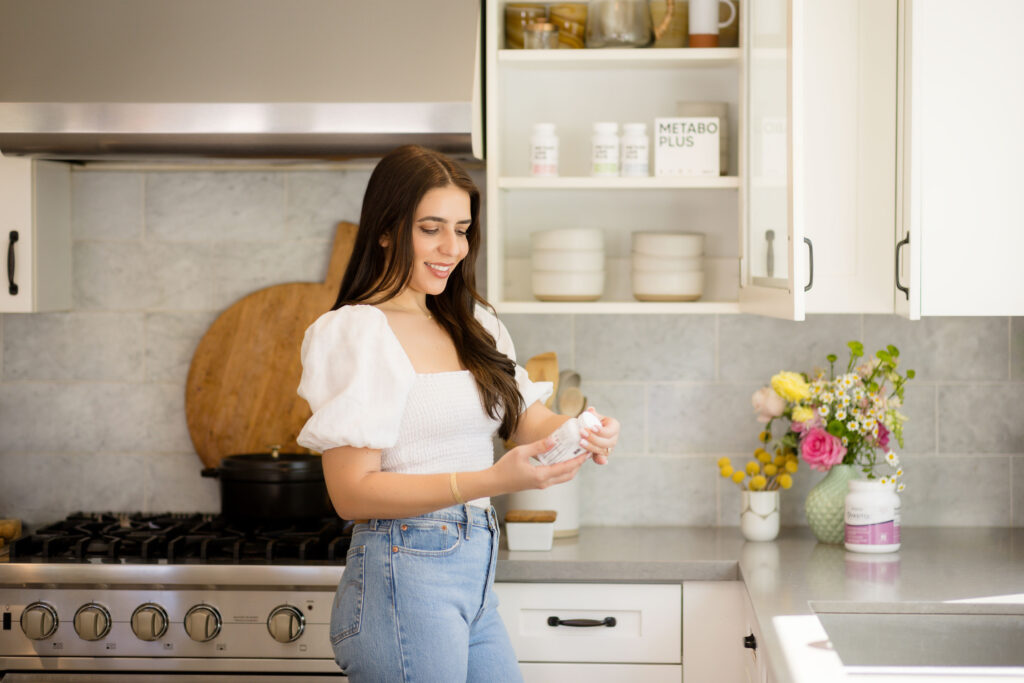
x=727, y=471
x=753, y=468
x=780, y=460
x=723, y=461
x=791, y=386
x=770, y=470
x=738, y=476
x=764, y=436
x=758, y=482
x=792, y=466
x=763, y=455
x=785, y=481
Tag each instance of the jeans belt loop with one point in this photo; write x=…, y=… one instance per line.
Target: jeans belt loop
x=469, y=518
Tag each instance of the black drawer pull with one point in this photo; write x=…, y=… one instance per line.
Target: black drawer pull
x=607, y=621
x=12, y=288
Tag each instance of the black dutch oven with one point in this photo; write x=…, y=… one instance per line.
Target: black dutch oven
x=272, y=487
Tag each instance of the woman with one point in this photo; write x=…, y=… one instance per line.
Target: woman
x=409, y=379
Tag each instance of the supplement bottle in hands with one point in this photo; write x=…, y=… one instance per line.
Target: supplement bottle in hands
x=567, y=439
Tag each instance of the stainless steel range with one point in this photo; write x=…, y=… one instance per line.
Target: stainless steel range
x=136, y=595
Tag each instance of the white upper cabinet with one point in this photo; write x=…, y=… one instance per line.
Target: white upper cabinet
x=35, y=227
x=811, y=138
x=960, y=230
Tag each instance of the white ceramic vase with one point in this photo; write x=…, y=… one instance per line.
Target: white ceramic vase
x=759, y=515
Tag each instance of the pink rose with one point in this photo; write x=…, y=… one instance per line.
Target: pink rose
x=821, y=450
x=767, y=404
x=883, y=436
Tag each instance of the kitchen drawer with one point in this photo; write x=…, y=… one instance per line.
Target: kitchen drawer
x=647, y=622
x=549, y=672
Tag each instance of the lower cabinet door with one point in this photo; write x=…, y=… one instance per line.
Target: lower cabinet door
x=552, y=672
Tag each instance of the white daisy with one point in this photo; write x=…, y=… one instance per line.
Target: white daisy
x=892, y=459
x=900, y=487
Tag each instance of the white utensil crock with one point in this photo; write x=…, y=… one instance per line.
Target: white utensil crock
x=562, y=498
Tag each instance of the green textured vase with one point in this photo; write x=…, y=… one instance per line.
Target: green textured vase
x=826, y=501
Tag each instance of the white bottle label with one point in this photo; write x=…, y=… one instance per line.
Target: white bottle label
x=634, y=158
x=567, y=439
x=606, y=159
x=544, y=159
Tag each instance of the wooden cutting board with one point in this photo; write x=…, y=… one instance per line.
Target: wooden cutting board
x=240, y=394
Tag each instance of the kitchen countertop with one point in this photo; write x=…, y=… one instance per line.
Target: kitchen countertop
x=784, y=577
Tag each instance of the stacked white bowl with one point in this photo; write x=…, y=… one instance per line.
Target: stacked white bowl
x=668, y=266
x=567, y=265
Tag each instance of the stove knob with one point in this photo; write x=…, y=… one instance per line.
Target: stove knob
x=92, y=621
x=39, y=621
x=149, y=621
x=286, y=623
x=202, y=623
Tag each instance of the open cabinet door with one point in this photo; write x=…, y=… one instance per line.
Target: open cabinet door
x=774, y=260
x=907, y=290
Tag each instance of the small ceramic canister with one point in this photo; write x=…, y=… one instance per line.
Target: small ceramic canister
x=759, y=515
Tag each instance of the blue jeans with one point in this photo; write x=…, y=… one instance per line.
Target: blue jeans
x=416, y=602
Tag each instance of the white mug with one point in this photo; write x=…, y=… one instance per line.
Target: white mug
x=704, y=23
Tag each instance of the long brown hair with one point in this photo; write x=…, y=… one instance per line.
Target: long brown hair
x=396, y=187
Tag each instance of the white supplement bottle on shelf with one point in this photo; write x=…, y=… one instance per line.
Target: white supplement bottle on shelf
x=605, y=150
x=544, y=151
x=872, y=517
x=635, y=150
x=567, y=439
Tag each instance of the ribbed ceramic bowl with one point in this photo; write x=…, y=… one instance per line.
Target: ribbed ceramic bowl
x=667, y=286
x=571, y=238
x=671, y=264
x=568, y=286
x=573, y=260
x=668, y=243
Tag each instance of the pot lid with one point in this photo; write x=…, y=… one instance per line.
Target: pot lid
x=271, y=467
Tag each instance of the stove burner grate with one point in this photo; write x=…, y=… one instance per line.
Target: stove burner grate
x=183, y=539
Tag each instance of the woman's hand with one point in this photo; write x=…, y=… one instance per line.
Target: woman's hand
x=517, y=472
x=601, y=442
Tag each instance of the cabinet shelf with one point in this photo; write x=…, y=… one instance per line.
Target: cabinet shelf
x=591, y=183
x=610, y=58
x=617, y=307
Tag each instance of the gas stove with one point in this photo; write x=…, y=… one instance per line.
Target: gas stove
x=136, y=595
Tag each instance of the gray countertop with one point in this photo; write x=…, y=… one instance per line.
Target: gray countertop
x=784, y=577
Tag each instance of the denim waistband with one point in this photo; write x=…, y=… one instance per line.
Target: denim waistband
x=460, y=514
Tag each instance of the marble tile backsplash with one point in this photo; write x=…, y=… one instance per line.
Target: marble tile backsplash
x=92, y=400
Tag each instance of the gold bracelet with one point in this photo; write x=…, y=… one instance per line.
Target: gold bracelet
x=455, y=489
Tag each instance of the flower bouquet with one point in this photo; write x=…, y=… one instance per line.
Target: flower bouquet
x=847, y=419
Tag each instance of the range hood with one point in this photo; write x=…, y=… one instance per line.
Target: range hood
x=238, y=79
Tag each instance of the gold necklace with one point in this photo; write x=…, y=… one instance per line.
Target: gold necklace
x=427, y=314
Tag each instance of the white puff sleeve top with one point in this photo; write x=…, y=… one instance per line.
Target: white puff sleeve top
x=364, y=392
